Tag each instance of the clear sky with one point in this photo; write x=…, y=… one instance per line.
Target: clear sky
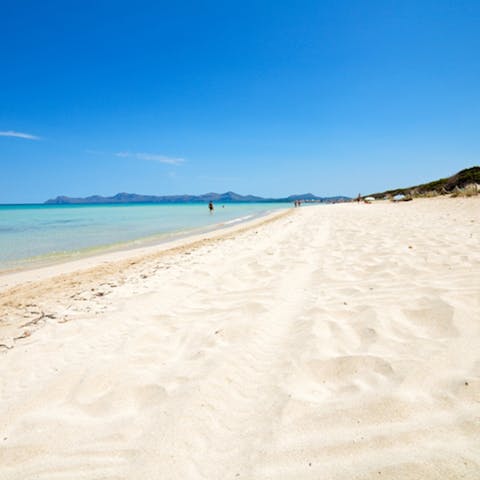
x=262, y=97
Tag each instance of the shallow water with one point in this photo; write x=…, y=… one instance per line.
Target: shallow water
x=34, y=234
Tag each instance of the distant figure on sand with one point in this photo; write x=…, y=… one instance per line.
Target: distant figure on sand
x=210, y=207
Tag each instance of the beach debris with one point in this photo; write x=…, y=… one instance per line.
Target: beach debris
x=25, y=334
x=35, y=320
x=399, y=198
x=7, y=342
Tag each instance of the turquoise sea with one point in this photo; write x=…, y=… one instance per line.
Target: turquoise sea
x=32, y=235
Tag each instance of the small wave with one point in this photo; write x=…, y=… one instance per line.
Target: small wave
x=236, y=220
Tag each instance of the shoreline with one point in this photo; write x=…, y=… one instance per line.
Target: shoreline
x=73, y=250
x=120, y=251
x=25, y=296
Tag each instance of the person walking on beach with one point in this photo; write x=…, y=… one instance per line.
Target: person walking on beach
x=210, y=207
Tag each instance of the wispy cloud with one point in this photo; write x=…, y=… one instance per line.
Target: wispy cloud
x=152, y=157
x=11, y=133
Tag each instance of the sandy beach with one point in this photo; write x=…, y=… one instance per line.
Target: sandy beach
x=330, y=342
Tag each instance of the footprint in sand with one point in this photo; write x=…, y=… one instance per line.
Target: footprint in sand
x=433, y=316
x=357, y=371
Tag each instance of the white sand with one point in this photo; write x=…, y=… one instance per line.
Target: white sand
x=337, y=342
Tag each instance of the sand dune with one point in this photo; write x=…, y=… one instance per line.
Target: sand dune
x=336, y=342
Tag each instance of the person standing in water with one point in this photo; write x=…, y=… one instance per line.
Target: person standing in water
x=210, y=207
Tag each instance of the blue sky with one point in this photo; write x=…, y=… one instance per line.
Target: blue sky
x=263, y=97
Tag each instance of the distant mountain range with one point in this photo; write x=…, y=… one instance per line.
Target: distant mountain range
x=227, y=197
